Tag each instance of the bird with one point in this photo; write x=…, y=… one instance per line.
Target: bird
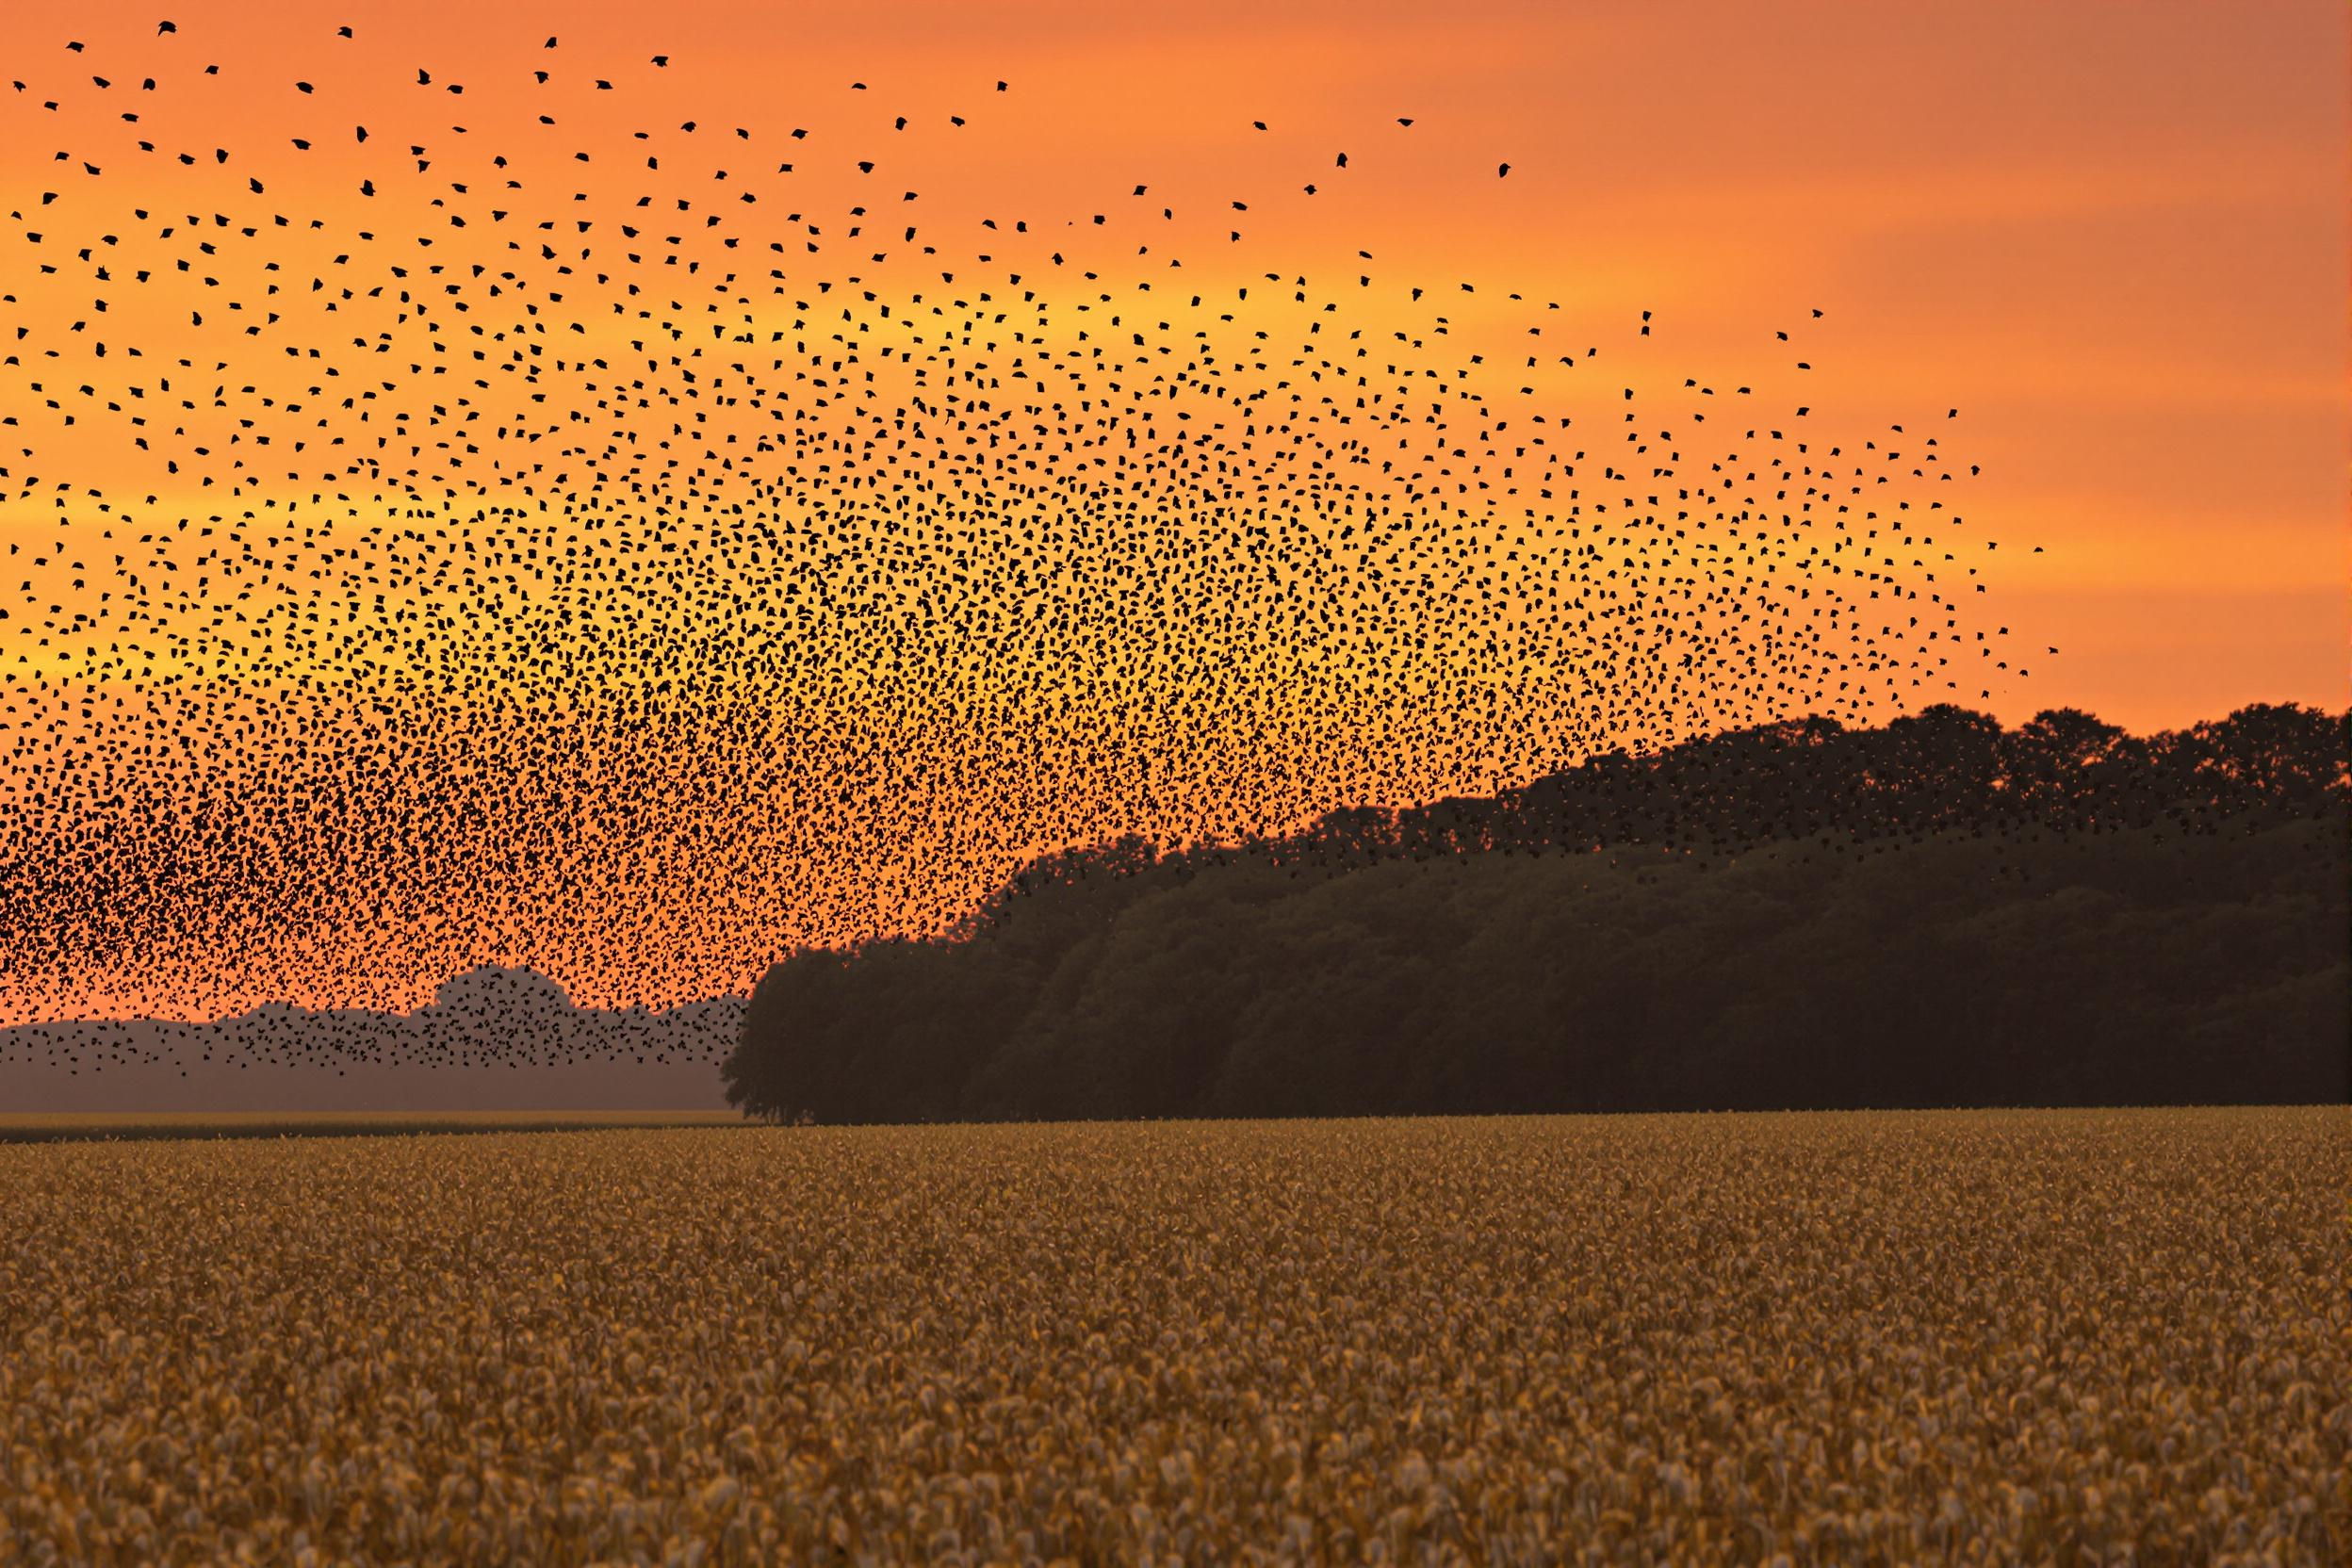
x=605, y=551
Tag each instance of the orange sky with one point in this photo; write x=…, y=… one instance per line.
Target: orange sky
x=2114, y=237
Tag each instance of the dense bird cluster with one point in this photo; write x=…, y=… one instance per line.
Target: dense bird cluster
x=527, y=526
x=1965, y=1337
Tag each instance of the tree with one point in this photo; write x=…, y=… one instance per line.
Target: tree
x=1932, y=913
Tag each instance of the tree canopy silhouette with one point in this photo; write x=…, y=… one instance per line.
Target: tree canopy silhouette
x=1800, y=915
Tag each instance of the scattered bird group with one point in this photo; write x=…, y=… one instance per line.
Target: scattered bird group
x=494, y=545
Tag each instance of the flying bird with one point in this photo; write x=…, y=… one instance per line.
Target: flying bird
x=595, y=533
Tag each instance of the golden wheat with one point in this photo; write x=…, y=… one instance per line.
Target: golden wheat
x=2038, y=1336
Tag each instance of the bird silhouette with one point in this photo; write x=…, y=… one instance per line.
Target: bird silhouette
x=610, y=549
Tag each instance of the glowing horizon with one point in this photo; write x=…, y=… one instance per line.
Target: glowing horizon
x=2100, y=327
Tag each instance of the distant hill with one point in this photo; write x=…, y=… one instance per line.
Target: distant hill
x=491, y=1039
x=1933, y=913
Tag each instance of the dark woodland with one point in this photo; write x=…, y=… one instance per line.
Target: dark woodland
x=1937, y=912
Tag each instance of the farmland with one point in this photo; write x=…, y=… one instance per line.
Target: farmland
x=2063, y=1336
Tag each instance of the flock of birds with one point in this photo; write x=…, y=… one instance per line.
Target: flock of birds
x=639, y=550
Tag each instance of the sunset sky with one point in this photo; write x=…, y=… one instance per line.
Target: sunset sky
x=2112, y=237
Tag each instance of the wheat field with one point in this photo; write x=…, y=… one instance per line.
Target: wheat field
x=1997, y=1336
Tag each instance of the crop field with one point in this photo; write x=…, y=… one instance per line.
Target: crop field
x=2039, y=1336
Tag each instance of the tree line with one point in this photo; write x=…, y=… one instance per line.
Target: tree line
x=1937, y=912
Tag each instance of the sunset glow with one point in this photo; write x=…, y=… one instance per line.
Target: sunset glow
x=603, y=525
